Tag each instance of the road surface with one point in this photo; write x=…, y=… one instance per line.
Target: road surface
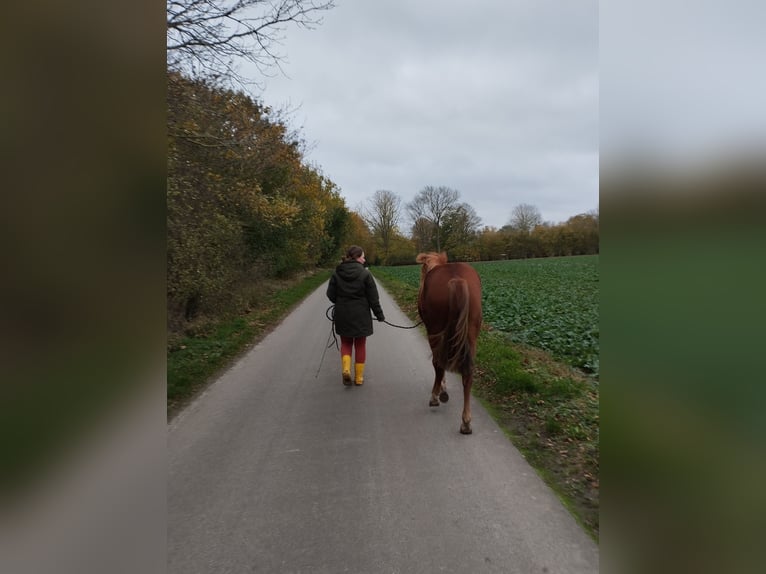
x=279, y=468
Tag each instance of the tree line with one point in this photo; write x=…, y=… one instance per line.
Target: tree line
x=436, y=220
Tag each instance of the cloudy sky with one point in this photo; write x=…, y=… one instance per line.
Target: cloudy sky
x=496, y=99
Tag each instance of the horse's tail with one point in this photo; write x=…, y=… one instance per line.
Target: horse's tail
x=456, y=348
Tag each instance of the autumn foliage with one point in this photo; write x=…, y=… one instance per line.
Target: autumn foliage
x=242, y=204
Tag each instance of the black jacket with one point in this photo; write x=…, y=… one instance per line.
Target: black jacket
x=354, y=293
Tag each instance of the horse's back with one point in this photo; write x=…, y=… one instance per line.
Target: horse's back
x=441, y=274
x=436, y=292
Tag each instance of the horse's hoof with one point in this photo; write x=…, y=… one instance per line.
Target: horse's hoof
x=433, y=403
x=465, y=429
x=443, y=396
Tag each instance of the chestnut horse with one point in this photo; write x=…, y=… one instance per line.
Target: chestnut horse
x=449, y=303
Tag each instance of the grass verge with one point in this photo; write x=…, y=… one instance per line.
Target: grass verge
x=548, y=409
x=210, y=345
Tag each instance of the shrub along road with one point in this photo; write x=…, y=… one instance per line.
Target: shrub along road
x=277, y=467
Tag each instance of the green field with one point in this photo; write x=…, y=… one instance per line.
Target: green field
x=551, y=304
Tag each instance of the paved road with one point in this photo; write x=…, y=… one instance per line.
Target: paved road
x=279, y=468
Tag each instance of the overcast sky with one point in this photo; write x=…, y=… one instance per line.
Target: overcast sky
x=496, y=99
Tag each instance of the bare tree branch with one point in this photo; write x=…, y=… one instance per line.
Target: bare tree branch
x=210, y=37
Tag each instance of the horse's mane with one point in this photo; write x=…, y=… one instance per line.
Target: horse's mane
x=431, y=259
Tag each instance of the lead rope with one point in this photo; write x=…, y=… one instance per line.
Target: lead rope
x=330, y=314
x=330, y=336
x=418, y=324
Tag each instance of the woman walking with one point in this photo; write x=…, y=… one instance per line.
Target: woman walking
x=354, y=293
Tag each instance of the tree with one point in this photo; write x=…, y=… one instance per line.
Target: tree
x=337, y=229
x=204, y=37
x=583, y=232
x=423, y=234
x=521, y=242
x=525, y=218
x=382, y=216
x=403, y=251
x=491, y=244
x=359, y=234
x=547, y=240
x=460, y=228
x=433, y=204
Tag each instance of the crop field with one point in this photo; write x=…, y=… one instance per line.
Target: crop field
x=550, y=303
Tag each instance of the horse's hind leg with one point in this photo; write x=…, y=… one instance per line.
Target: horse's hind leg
x=439, y=390
x=465, y=426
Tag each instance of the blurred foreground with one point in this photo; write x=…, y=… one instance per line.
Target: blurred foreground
x=683, y=272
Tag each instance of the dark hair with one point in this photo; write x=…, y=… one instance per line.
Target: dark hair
x=353, y=252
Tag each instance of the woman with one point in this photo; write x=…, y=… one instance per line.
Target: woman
x=354, y=293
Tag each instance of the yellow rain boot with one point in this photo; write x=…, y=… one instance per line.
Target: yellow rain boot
x=359, y=368
x=346, y=362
